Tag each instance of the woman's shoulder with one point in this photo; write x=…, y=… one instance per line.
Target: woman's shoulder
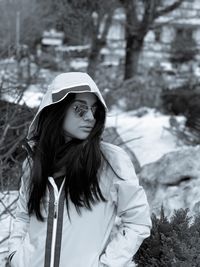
x=111, y=149
x=118, y=160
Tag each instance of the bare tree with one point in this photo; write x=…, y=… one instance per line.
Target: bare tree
x=100, y=25
x=14, y=123
x=15, y=119
x=140, y=17
x=83, y=22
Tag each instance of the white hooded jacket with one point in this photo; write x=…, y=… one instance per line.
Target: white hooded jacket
x=88, y=240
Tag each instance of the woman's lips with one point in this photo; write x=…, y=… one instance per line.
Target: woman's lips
x=86, y=128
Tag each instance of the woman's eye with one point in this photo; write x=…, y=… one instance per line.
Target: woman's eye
x=79, y=110
x=76, y=108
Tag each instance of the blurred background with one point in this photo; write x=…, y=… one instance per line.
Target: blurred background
x=143, y=55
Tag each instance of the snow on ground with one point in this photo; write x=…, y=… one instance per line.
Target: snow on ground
x=78, y=48
x=32, y=97
x=147, y=135
x=78, y=64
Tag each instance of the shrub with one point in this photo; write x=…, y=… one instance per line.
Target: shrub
x=185, y=101
x=183, y=47
x=181, y=100
x=14, y=123
x=137, y=92
x=173, y=242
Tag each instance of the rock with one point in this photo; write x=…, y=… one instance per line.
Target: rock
x=174, y=181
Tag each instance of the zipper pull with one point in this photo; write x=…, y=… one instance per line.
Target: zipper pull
x=55, y=210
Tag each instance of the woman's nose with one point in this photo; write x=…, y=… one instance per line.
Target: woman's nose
x=89, y=115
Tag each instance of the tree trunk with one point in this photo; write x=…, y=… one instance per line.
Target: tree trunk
x=93, y=58
x=134, y=33
x=98, y=42
x=133, y=50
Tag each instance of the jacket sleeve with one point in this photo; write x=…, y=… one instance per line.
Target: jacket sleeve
x=21, y=221
x=133, y=212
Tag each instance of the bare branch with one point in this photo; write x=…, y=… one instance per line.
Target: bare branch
x=150, y=8
x=168, y=9
x=128, y=141
x=26, y=123
x=4, y=133
x=107, y=25
x=131, y=14
x=12, y=149
x=171, y=20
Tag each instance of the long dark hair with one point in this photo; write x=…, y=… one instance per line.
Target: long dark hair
x=81, y=158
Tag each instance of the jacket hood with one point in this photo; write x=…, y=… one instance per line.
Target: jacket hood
x=61, y=86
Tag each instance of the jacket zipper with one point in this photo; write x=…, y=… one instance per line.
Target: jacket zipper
x=55, y=220
x=53, y=242
x=55, y=209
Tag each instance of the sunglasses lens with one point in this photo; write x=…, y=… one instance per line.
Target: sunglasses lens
x=81, y=110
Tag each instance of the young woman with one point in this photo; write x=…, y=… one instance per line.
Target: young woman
x=75, y=186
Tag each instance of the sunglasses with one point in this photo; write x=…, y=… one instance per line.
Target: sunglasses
x=81, y=110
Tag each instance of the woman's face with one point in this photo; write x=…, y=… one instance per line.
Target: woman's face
x=79, y=119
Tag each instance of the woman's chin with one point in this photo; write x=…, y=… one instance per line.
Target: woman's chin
x=81, y=136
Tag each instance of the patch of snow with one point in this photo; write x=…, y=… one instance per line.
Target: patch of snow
x=77, y=64
x=7, y=60
x=32, y=98
x=146, y=135
x=197, y=71
x=73, y=48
